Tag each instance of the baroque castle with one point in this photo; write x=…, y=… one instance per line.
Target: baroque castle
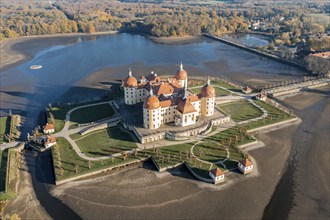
x=166, y=101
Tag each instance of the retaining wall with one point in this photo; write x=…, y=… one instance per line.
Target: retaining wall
x=196, y=175
x=273, y=57
x=98, y=171
x=273, y=125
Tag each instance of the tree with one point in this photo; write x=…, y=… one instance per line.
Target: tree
x=8, y=33
x=76, y=168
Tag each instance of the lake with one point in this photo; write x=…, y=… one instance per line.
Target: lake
x=69, y=59
x=250, y=40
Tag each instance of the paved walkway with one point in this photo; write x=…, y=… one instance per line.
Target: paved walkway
x=9, y=145
x=65, y=132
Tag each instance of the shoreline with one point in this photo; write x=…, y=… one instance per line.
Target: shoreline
x=12, y=57
x=278, y=147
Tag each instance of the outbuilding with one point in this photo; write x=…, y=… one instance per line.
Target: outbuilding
x=245, y=166
x=261, y=97
x=217, y=175
x=247, y=90
x=49, y=129
x=49, y=141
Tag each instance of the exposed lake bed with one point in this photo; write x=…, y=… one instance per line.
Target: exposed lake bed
x=84, y=73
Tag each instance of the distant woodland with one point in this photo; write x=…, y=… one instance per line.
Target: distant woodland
x=158, y=18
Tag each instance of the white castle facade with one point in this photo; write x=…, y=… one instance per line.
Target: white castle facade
x=166, y=101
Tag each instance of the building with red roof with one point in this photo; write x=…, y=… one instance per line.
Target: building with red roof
x=48, y=129
x=245, y=166
x=217, y=175
x=168, y=100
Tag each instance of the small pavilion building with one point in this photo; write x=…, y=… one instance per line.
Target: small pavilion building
x=217, y=175
x=49, y=141
x=48, y=129
x=247, y=90
x=245, y=166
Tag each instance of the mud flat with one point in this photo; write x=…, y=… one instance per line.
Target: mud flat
x=148, y=194
x=303, y=191
x=25, y=204
x=177, y=40
x=144, y=193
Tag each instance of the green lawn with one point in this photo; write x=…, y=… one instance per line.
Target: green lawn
x=241, y=111
x=213, y=147
x=106, y=142
x=210, y=151
x=229, y=136
x=226, y=85
x=9, y=178
x=4, y=127
x=59, y=112
x=169, y=155
x=70, y=161
x=274, y=115
x=194, y=83
x=91, y=114
x=218, y=91
x=3, y=169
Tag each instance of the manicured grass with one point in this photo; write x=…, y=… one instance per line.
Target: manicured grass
x=241, y=111
x=213, y=149
x=4, y=127
x=227, y=86
x=218, y=91
x=8, y=179
x=3, y=169
x=91, y=114
x=69, y=161
x=75, y=136
x=169, y=155
x=59, y=113
x=13, y=170
x=274, y=115
x=59, y=116
x=210, y=151
x=106, y=142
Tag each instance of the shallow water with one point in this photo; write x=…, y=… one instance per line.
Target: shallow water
x=250, y=40
x=26, y=91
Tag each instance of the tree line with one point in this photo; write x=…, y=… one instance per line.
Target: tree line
x=164, y=19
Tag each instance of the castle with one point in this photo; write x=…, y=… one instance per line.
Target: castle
x=166, y=101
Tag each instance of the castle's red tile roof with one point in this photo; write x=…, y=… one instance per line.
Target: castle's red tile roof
x=163, y=88
x=185, y=107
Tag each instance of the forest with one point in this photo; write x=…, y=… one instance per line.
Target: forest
x=157, y=18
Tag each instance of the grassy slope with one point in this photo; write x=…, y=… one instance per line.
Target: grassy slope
x=3, y=168
x=91, y=114
x=241, y=111
x=218, y=91
x=106, y=142
x=274, y=115
x=69, y=159
x=4, y=127
x=60, y=112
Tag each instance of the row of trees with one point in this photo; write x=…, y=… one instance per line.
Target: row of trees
x=165, y=19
